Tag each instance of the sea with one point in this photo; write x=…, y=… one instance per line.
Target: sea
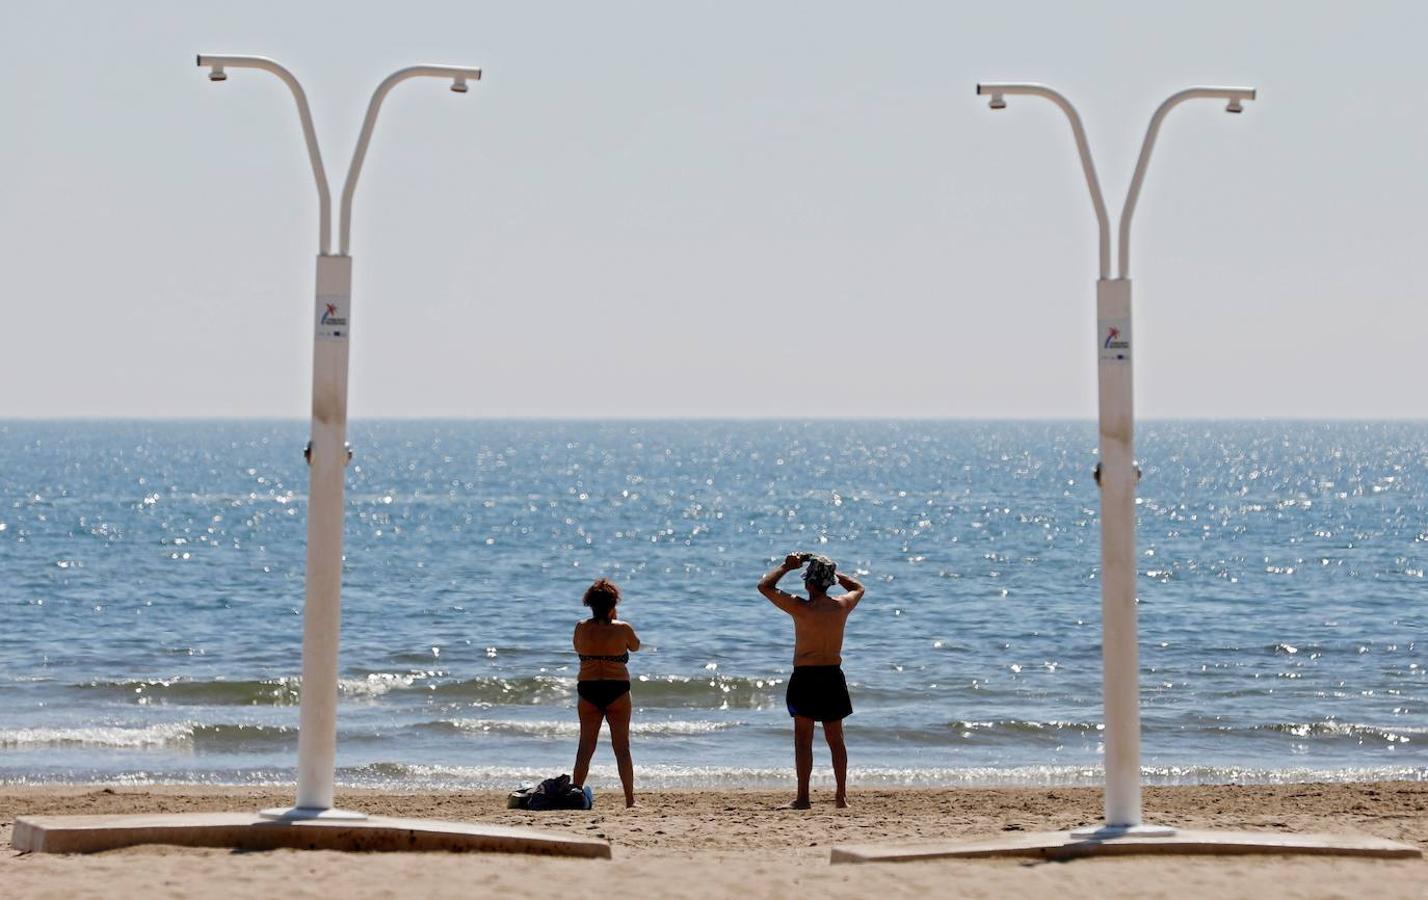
x=151, y=590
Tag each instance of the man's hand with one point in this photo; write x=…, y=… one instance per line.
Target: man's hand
x=768, y=585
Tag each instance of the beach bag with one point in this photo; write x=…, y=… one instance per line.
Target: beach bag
x=553, y=793
x=520, y=798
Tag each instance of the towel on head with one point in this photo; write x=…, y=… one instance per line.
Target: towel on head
x=820, y=572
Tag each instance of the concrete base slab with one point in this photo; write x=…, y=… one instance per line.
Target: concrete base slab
x=248, y=831
x=1061, y=845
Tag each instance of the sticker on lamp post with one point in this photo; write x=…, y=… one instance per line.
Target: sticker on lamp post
x=332, y=317
x=1114, y=340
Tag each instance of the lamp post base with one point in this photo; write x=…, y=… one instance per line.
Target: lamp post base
x=246, y=831
x=1109, y=832
x=308, y=813
x=1064, y=845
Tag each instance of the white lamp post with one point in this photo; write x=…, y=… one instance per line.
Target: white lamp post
x=327, y=449
x=311, y=823
x=1116, y=471
x=1123, y=831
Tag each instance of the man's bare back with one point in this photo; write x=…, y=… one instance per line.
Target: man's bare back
x=818, y=631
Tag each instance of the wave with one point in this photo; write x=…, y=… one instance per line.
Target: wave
x=711, y=691
x=647, y=691
x=193, y=692
x=707, y=692
x=1402, y=734
x=97, y=736
x=284, y=691
x=570, y=728
x=192, y=735
x=1024, y=729
x=1024, y=726
x=375, y=684
x=531, y=690
x=984, y=731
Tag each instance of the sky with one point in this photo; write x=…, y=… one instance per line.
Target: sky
x=733, y=209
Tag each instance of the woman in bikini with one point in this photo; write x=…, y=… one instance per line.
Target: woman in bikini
x=604, y=644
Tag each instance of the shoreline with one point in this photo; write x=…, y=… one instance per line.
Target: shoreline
x=716, y=842
x=666, y=778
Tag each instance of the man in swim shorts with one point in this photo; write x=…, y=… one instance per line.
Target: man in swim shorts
x=817, y=691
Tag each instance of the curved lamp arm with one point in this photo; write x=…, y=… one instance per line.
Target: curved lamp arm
x=998, y=93
x=1235, y=97
x=217, y=65
x=458, y=76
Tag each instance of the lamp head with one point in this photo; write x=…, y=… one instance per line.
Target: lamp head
x=215, y=69
x=1235, y=97
x=998, y=98
x=459, y=76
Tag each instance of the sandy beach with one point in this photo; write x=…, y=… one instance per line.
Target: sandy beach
x=710, y=843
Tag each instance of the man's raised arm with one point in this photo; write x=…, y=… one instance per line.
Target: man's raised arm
x=854, y=589
x=768, y=585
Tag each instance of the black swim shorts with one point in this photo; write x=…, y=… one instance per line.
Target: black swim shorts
x=819, y=693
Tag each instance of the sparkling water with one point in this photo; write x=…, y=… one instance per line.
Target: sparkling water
x=151, y=598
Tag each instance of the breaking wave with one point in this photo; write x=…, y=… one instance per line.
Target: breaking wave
x=165, y=735
x=1331, y=729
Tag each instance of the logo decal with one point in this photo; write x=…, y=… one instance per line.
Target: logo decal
x=332, y=317
x=1115, y=340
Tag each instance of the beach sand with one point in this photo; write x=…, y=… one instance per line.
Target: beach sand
x=717, y=843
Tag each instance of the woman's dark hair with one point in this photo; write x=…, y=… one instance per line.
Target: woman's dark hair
x=601, y=597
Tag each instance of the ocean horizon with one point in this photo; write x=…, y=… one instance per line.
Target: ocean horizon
x=154, y=579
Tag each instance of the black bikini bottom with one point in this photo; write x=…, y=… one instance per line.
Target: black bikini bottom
x=601, y=693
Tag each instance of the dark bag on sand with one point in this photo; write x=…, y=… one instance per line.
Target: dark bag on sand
x=553, y=793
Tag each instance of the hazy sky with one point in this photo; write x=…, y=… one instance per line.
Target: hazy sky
x=711, y=209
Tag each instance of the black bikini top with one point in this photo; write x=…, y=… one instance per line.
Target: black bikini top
x=591, y=657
